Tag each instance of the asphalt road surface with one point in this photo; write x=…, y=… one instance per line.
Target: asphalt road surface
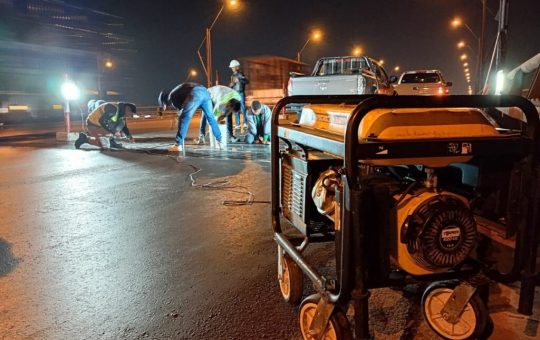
x=120, y=245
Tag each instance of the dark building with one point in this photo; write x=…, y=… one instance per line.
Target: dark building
x=269, y=76
x=42, y=41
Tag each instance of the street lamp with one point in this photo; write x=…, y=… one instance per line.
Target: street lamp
x=396, y=69
x=461, y=44
x=316, y=36
x=191, y=74
x=70, y=91
x=102, y=65
x=463, y=57
x=457, y=22
x=381, y=62
x=465, y=64
x=207, y=67
x=357, y=51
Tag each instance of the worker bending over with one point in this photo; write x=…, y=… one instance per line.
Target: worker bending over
x=226, y=102
x=106, y=122
x=187, y=98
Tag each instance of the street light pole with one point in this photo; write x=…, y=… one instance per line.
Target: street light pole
x=503, y=31
x=298, y=55
x=315, y=36
x=481, y=43
x=207, y=42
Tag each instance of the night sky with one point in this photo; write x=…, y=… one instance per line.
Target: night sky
x=414, y=34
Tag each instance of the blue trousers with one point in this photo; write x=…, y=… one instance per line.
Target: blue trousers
x=200, y=98
x=250, y=139
x=242, y=108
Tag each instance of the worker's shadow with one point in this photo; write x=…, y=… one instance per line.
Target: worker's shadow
x=8, y=261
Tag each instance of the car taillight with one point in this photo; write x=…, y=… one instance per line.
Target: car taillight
x=441, y=91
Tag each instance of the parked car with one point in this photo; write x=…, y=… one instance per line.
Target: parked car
x=342, y=75
x=421, y=82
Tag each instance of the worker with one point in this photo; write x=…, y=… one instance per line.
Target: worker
x=106, y=122
x=187, y=98
x=259, y=123
x=238, y=83
x=226, y=101
x=94, y=104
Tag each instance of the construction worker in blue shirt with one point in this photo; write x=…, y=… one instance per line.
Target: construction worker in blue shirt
x=187, y=98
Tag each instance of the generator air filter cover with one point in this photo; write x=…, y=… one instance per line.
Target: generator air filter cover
x=438, y=233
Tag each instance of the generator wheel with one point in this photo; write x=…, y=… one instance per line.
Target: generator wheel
x=291, y=280
x=338, y=327
x=474, y=321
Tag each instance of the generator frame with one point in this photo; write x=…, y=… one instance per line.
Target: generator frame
x=351, y=246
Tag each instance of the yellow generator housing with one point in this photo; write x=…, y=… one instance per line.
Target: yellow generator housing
x=404, y=124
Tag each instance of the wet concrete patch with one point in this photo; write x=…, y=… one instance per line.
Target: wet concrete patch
x=8, y=261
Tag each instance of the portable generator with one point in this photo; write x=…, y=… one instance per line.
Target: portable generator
x=399, y=183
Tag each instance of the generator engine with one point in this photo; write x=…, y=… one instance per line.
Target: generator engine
x=431, y=230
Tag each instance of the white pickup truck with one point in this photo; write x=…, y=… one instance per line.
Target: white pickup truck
x=422, y=83
x=342, y=75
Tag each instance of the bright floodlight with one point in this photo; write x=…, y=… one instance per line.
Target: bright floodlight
x=70, y=91
x=499, y=82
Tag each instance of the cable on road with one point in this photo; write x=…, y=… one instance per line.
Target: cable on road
x=222, y=185
x=218, y=185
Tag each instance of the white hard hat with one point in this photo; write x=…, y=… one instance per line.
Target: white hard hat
x=234, y=63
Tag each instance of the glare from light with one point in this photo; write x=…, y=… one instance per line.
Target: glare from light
x=108, y=64
x=465, y=64
x=466, y=70
x=233, y=4
x=499, y=82
x=193, y=73
x=461, y=44
x=463, y=57
x=357, y=51
x=396, y=69
x=70, y=91
x=316, y=35
x=456, y=22
x=381, y=61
